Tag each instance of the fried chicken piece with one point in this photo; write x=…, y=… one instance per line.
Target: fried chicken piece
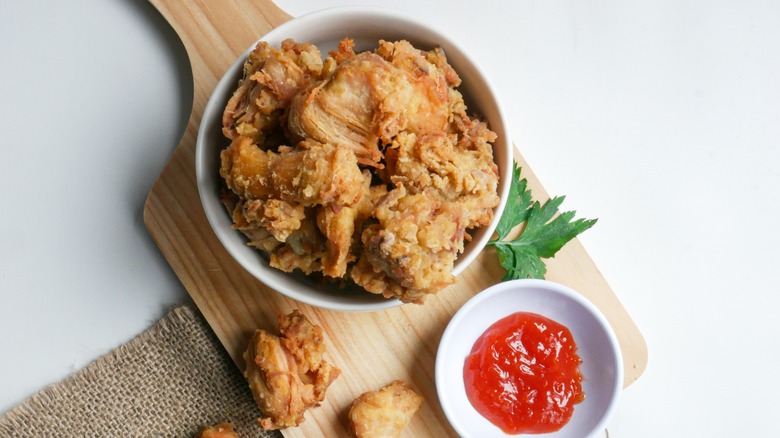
x=278, y=186
x=278, y=217
x=221, y=430
x=287, y=374
x=338, y=224
x=410, y=252
x=271, y=78
x=475, y=143
x=341, y=109
x=461, y=170
x=303, y=249
x=460, y=163
x=385, y=412
x=425, y=103
x=259, y=237
x=307, y=345
x=326, y=239
x=370, y=98
x=311, y=174
x=284, y=258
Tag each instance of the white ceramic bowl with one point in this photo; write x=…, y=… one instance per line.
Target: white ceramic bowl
x=366, y=25
x=602, y=363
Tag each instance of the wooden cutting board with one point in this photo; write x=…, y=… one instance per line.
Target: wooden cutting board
x=373, y=348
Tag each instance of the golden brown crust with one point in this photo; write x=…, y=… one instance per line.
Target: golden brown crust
x=385, y=412
x=287, y=373
x=386, y=174
x=221, y=430
x=271, y=78
x=413, y=247
x=341, y=109
x=310, y=174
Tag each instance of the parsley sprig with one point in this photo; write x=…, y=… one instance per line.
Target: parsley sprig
x=542, y=236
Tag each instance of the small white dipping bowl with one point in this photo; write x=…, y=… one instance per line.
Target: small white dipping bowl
x=366, y=26
x=601, y=368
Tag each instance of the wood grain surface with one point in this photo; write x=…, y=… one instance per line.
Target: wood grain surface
x=372, y=348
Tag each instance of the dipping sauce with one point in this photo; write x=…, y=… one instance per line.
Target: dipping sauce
x=523, y=374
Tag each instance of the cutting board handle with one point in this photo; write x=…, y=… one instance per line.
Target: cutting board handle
x=214, y=34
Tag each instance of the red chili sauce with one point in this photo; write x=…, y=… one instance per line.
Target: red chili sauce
x=523, y=374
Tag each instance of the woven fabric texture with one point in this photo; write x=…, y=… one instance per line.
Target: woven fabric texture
x=168, y=382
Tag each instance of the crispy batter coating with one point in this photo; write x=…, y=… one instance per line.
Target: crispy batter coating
x=221, y=430
x=372, y=97
x=271, y=78
x=303, y=249
x=385, y=412
x=341, y=110
x=411, y=251
x=287, y=373
x=278, y=217
x=423, y=97
x=338, y=225
x=310, y=174
x=388, y=173
x=459, y=172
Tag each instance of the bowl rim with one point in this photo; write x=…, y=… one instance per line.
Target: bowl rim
x=211, y=111
x=517, y=286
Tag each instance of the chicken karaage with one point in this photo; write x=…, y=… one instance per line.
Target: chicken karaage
x=287, y=374
x=361, y=167
x=385, y=412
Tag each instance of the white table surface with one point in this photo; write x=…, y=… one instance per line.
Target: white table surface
x=661, y=118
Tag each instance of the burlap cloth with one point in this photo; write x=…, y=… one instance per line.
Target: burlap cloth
x=167, y=382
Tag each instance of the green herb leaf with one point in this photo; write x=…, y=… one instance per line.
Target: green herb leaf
x=520, y=262
x=543, y=236
x=517, y=206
